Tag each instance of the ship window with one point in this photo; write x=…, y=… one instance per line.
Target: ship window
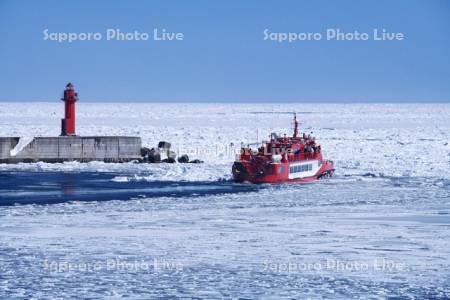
x=300, y=168
x=281, y=170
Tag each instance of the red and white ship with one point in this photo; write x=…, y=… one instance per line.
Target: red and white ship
x=283, y=159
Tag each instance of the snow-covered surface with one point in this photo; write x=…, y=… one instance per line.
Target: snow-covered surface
x=388, y=139
x=23, y=142
x=390, y=200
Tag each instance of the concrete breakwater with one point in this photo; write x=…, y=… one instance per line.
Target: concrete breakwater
x=71, y=148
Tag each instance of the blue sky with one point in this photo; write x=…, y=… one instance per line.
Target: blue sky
x=224, y=57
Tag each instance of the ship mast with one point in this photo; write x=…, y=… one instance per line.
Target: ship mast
x=295, y=125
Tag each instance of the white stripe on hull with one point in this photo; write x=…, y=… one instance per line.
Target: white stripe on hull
x=304, y=169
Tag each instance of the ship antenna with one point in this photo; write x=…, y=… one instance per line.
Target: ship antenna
x=295, y=125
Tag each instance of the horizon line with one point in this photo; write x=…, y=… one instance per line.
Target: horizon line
x=242, y=102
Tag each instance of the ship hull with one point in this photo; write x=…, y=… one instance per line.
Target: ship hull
x=283, y=172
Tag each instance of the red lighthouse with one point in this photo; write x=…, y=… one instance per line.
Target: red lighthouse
x=68, y=123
